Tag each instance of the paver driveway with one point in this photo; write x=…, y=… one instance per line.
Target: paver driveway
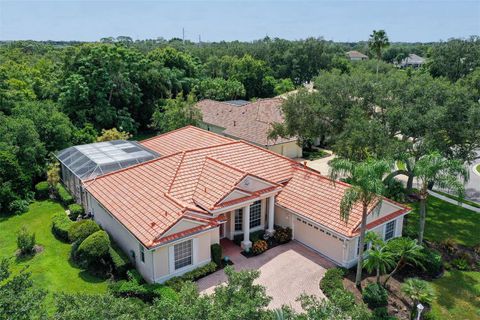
x=287, y=271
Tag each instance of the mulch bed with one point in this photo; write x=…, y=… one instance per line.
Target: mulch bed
x=271, y=244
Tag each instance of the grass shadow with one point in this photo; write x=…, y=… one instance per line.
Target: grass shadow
x=457, y=285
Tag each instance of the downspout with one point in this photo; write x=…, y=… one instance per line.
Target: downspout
x=153, y=265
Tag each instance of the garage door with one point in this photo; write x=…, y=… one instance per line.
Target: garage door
x=318, y=239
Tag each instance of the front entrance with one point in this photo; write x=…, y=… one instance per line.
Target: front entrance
x=222, y=231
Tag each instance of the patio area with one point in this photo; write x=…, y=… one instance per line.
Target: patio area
x=286, y=271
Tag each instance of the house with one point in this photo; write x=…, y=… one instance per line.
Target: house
x=166, y=212
x=249, y=121
x=413, y=61
x=356, y=56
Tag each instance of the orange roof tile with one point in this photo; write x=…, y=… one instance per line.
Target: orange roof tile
x=318, y=198
x=250, y=122
x=183, y=139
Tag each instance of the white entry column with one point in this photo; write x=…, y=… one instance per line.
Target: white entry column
x=271, y=215
x=246, y=243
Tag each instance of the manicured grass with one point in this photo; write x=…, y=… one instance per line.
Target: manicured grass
x=50, y=269
x=457, y=296
x=471, y=203
x=446, y=220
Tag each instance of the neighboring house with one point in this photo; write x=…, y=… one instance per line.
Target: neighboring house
x=167, y=212
x=250, y=121
x=356, y=56
x=413, y=61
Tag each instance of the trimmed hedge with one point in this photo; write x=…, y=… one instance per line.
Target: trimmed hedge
x=60, y=226
x=75, y=211
x=216, y=252
x=332, y=281
x=42, y=190
x=82, y=229
x=94, y=247
x=176, y=283
x=64, y=196
x=146, y=292
x=120, y=261
x=375, y=296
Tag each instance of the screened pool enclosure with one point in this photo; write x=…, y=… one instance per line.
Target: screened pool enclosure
x=88, y=161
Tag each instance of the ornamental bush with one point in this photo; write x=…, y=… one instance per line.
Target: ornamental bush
x=18, y=206
x=60, y=226
x=432, y=262
x=332, y=281
x=75, y=211
x=375, y=296
x=25, y=241
x=216, y=252
x=120, y=261
x=64, y=196
x=282, y=235
x=259, y=246
x=80, y=230
x=42, y=190
x=94, y=248
x=176, y=283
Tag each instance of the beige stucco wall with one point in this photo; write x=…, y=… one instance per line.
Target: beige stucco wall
x=283, y=217
x=289, y=149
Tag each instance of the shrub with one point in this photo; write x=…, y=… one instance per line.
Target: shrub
x=375, y=296
x=460, y=264
x=257, y=235
x=176, y=283
x=94, y=248
x=332, y=281
x=134, y=275
x=282, y=235
x=60, y=226
x=80, y=230
x=64, y=196
x=381, y=313
x=432, y=262
x=25, y=241
x=18, y=206
x=449, y=244
x=395, y=190
x=75, y=211
x=146, y=292
x=120, y=261
x=216, y=252
x=42, y=190
x=259, y=246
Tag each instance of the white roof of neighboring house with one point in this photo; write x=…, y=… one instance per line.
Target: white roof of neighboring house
x=413, y=59
x=356, y=54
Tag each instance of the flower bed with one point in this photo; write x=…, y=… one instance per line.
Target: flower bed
x=262, y=242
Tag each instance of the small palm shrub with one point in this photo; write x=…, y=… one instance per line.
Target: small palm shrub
x=75, y=211
x=460, y=264
x=80, y=230
x=25, y=241
x=419, y=291
x=94, y=248
x=259, y=246
x=42, y=190
x=375, y=296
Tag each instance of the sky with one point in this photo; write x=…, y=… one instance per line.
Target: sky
x=405, y=21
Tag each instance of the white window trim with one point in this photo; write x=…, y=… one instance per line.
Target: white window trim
x=171, y=256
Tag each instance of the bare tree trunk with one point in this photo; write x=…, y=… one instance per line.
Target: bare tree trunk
x=423, y=212
x=410, y=182
x=378, y=275
x=363, y=228
x=397, y=267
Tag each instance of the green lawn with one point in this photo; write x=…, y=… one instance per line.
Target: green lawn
x=458, y=296
x=471, y=203
x=447, y=220
x=50, y=269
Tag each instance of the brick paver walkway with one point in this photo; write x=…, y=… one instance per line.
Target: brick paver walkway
x=286, y=271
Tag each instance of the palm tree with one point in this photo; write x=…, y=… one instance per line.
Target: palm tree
x=379, y=259
x=418, y=291
x=377, y=42
x=366, y=188
x=406, y=252
x=444, y=173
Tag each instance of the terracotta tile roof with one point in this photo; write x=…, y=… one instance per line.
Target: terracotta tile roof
x=318, y=198
x=183, y=139
x=250, y=122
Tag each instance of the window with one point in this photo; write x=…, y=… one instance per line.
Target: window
x=183, y=254
x=390, y=230
x=256, y=214
x=142, y=254
x=365, y=246
x=238, y=219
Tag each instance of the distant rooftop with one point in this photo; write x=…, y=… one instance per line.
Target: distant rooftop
x=237, y=103
x=91, y=160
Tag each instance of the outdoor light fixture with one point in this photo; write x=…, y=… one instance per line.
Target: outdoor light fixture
x=420, y=308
